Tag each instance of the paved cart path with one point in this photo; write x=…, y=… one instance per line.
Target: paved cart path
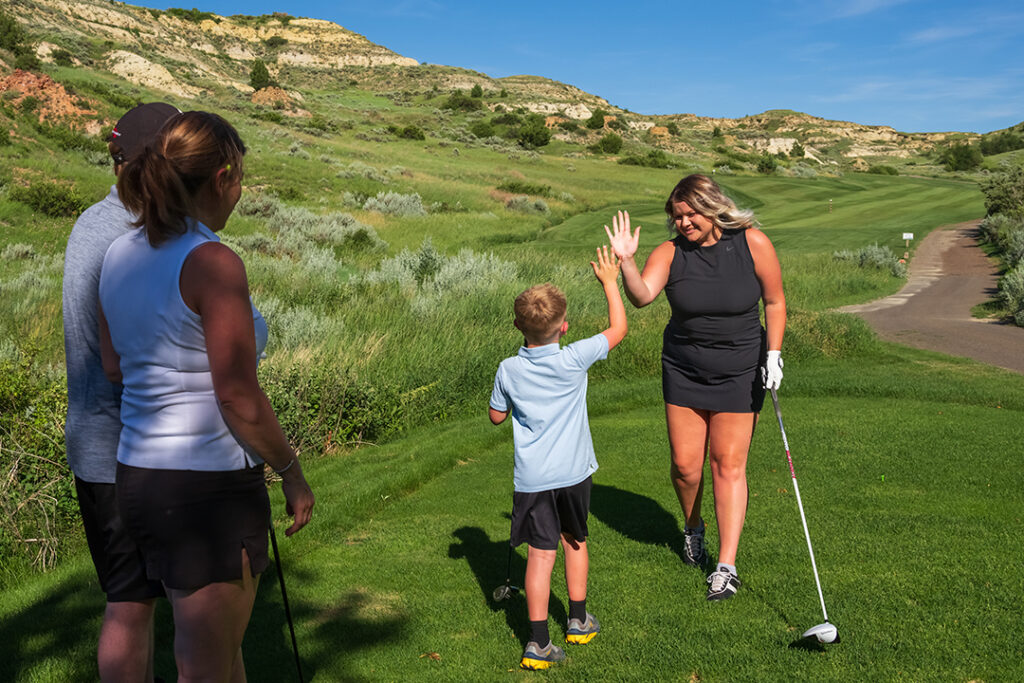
x=949, y=274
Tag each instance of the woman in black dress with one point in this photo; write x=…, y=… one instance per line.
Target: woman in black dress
x=717, y=359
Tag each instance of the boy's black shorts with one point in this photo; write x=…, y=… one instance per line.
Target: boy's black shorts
x=541, y=517
x=118, y=560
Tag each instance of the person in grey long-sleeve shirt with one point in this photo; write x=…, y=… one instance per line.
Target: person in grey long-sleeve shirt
x=94, y=404
x=93, y=424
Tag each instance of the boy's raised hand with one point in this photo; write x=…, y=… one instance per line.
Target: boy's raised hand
x=624, y=244
x=607, y=266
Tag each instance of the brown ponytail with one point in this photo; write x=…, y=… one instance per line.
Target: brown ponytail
x=161, y=183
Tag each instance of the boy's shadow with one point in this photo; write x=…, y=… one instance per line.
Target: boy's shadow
x=636, y=517
x=488, y=560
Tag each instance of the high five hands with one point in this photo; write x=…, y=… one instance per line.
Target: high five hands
x=607, y=266
x=623, y=243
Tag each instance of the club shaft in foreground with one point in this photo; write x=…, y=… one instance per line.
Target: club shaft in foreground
x=799, y=502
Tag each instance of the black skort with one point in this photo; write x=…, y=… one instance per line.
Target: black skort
x=191, y=525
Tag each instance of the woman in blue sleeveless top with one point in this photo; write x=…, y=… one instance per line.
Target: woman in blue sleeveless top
x=717, y=359
x=179, y=330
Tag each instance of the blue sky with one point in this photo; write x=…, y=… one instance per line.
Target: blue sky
x=916, y=65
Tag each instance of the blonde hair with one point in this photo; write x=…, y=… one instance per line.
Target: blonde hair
x=161, y=183
x=540, y=311
x=706, y=198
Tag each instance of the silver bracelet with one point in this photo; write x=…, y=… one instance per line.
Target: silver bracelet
x=286, y=467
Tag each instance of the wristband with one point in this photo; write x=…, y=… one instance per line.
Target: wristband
x=286, y=467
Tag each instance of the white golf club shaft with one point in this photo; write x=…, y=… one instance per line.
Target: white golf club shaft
x=796, y=489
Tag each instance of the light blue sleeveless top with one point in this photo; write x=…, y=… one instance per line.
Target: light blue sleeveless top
x=169, y=414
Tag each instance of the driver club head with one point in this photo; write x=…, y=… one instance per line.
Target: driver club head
x=504, y=592
x=823, y=633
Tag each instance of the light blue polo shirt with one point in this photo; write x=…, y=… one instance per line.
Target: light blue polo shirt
x=545, y=390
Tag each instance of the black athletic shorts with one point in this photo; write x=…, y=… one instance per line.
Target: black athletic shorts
x=192, y=525
x=541, y=517
x=118, y=561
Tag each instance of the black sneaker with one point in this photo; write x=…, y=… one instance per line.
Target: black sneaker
x=722, y=585
x=694, y=552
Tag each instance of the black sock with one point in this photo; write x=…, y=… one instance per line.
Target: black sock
x=578, y=609
x=539, y=632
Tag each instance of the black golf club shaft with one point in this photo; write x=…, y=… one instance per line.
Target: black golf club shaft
x=284, y=599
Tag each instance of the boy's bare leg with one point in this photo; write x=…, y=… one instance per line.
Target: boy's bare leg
x=539, y=564
x=577, y=566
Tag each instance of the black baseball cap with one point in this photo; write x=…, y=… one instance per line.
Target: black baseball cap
x=138, y=127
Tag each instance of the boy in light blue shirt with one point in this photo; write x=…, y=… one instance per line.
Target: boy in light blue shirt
x=544, y=387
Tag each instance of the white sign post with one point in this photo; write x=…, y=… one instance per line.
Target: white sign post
x=907, y=236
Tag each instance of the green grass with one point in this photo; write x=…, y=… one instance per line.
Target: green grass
x=409, y=536
x=409, y=539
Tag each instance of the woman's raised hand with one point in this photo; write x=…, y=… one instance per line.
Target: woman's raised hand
x=623, y=243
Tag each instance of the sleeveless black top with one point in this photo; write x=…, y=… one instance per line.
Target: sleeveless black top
x=714, y=342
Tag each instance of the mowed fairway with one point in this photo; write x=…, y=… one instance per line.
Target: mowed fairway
x=908, y=464
x=912, y=504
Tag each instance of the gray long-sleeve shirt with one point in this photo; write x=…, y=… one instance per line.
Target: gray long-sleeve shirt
x=94, y=404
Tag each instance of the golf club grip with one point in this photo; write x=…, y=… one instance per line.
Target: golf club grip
x=782, y=429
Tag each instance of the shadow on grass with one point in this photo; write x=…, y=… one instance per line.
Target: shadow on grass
x=636, y=517
x=65, y=620
x=58, y=632
x=326, y=634
x=488, y=560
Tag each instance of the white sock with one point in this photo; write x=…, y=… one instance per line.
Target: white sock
x=722, y=566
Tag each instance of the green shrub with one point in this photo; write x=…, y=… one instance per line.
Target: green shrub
x=396, y=204
x=411, y=133
x=458, y=100
x=482, y=129
x=193, y=15
x=533, y=133
x=997, y=143
x=1011, y=291
x=27, y=61
x=766, y=163
x=596, y=120
x=274, y=42
x=68, y=139
x=961, y=158
x=655, y=158
x=62, y=58
x=1004, y=191
x=477, y=91
x=524, y=204
x=797, y=151
x=37, y=500
x=509, y=118
x=672, y=128
x=49, y=198
x=17, y=252
x=569, y=126
x=873, y=256
x=716, y=132
x=610, y=143
x=321, y=407
x=12, y=35
x=881, y=169
x=259, y=77
x=520, y=187
x=5, y=136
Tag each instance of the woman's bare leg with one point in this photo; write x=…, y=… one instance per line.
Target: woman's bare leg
x=209, y=624
x=688, y=439
x=729, y=445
